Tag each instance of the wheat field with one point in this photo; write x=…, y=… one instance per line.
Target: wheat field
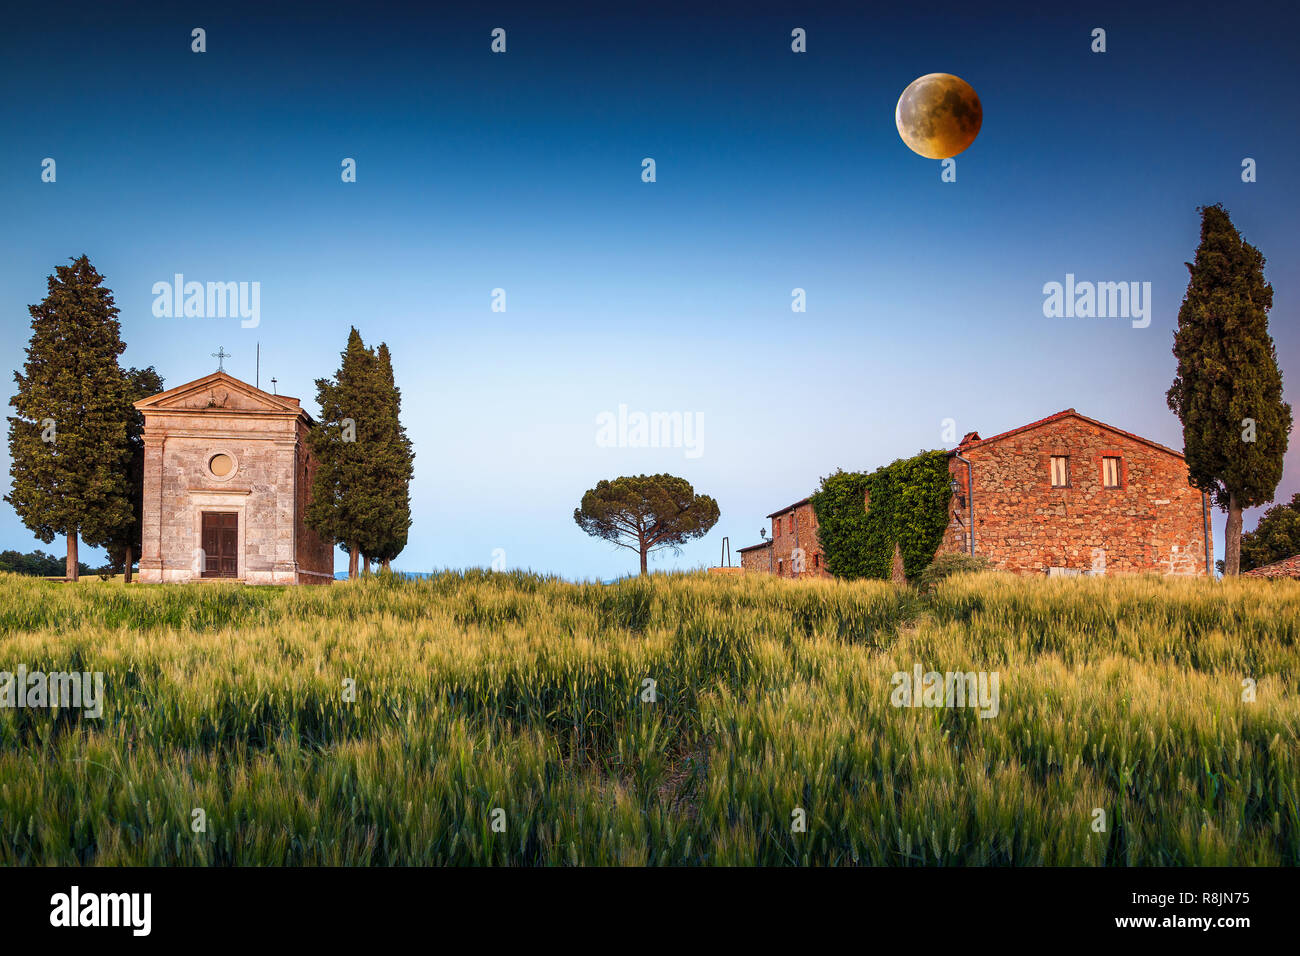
x=509, y=719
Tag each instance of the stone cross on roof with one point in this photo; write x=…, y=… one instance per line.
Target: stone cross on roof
x=221, y=355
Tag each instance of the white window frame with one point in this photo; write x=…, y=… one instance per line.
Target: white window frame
x=1065, y=470
x=1108, y=462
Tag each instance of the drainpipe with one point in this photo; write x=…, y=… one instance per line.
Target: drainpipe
x=794, y=519
x=970, y=500
x=1205, y=523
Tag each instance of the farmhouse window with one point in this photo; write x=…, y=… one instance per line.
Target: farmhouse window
x=1110, y=472
x=1060, y=471
x=777, y=523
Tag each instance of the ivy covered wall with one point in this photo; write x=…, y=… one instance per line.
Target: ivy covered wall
x=908, y=506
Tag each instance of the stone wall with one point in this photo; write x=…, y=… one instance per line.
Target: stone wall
x=1152, y=522
x=756, y=559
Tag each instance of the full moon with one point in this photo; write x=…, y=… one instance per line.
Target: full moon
x=938, y=115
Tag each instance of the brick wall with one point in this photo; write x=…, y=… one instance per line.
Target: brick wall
x=1152, y=522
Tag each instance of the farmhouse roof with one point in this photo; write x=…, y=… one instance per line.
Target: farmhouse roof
x=801, y=501
x=972, y=440
x=755, y=547
x=1286, y=568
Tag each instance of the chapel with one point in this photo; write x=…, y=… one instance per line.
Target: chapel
x=227, y=477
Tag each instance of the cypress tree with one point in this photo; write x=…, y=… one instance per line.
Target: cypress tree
x=367, y=409
x=345, y=504
x=1228, y=389
x=69, y=439
x=393, y=466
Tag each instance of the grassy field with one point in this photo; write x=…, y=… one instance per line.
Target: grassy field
x=486, y=692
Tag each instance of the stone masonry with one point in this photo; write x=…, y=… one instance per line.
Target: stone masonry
x=757, y=558
x=221, y=447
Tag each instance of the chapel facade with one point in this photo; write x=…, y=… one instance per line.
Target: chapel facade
x=228, y=473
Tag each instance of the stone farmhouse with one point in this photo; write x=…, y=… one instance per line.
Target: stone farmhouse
x=1063, y=495
x=227, y=475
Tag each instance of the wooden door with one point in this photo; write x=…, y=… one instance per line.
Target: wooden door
x=220, y=545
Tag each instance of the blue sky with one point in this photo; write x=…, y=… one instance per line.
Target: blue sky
x=775, y=170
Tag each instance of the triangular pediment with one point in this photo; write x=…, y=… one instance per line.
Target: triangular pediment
x=220, y=392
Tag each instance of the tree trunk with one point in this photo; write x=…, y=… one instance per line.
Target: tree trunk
x=643, y=563
x=130, y=559
x=71, y=567
x=387, y=566
x=1232, y=538
x=354, y=557
x=365, y=565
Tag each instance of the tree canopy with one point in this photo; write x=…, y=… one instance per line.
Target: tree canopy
x=646, y=513
x=37, y=564
x=1277, y=536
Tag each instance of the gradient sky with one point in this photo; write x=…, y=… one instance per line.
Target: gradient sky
x=522, y=171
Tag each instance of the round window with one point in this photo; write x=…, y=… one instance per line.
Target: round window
x=221, y=465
